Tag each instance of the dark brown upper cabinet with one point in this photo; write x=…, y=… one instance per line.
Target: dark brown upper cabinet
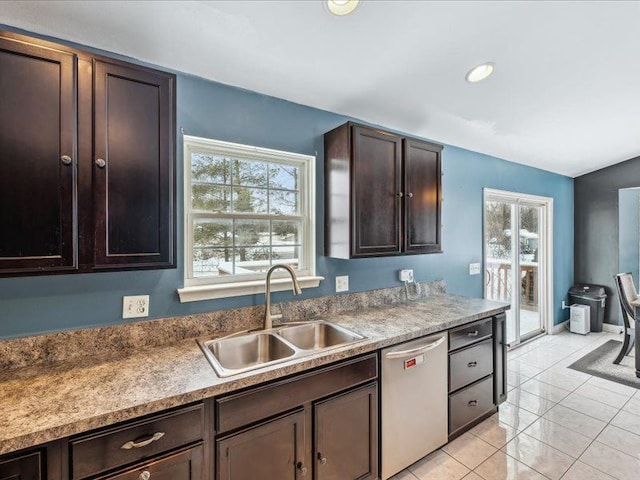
x=382, y=193
x=87, y=161
x=133, y=178
x=37, y=158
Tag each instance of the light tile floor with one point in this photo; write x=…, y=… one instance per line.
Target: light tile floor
x=557, y=423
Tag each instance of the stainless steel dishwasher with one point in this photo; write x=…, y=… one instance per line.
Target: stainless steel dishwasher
x=414, y=401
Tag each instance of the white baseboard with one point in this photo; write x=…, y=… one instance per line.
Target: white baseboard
x=607, y=327
x=561, y=327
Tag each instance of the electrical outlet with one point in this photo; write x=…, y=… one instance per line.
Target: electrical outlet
x=135, y=306
x=406, y=275
x=474, y=269
x=342, y=283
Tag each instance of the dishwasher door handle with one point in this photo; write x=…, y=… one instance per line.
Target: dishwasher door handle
x=415, y=351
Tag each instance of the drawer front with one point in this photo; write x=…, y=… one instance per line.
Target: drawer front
x=469, y=365
x=27, y=466
x=469, y=404
x=101, y=451
x=186, y=465
x=244, y=408
x=468, y=334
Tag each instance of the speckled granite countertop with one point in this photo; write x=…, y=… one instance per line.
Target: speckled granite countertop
x=45, y=402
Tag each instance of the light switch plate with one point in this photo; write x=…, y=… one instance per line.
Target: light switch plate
x=474, y=269
x=342, y=283
x=135, y=306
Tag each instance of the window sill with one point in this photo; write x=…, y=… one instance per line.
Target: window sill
x=211, y=292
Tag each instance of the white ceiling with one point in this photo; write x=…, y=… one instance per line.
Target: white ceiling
x=565, y=96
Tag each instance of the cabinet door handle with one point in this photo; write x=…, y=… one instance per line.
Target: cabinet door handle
x=143, y=441
x=410, y=195
x=302, y=469
x=473, y=334
x=146, y=475
x=101, y=163
x=66, y=159
x=321, y=459
x=473, y=403
x=400, y=194
x=472, y=364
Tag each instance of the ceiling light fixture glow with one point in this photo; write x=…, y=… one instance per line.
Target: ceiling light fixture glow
x=342, y=7
x=480, y=72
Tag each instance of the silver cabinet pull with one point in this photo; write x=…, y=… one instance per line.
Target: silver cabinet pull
x=302, y=469
x=142, y=443
x=410, y=195
x=146, y=475
x=473, y=334
x=400, y=194
x=321, y=459
x=66, y=159
x=101, y=163
x=473, y=403
x=472, y=364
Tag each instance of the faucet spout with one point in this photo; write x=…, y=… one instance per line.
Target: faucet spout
x=268, y=318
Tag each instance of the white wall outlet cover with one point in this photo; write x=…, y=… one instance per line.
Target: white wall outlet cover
x=474, y=269
x=406, y=275
x=342, y=283
x=135, y=306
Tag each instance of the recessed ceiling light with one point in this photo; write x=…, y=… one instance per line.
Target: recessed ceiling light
x=480, y=72
x=342, y=7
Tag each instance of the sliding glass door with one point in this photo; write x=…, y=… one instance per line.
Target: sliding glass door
x=515, y=260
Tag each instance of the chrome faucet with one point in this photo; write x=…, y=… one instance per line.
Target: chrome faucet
x=268, y=318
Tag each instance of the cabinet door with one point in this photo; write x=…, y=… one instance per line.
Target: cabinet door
x=25, y=467
x=422, y=196
x=186, y=465
x=271, y=451
x=133, y=171
x=37, y=158
x=376, y=192
x=346, y=436
x=500, y=358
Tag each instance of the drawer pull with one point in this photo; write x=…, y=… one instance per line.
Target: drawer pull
x=473, y=334
x=472, y=364
x=145, y=475
x=473, y=403
x=143, y=442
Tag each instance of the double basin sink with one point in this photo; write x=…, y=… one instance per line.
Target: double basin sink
x=245, y=351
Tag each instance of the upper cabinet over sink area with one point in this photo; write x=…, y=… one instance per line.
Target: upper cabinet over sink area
x=383, y=193
x=87, y=161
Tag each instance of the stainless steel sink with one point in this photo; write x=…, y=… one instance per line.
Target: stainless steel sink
x=245, y=351
x=318, y=335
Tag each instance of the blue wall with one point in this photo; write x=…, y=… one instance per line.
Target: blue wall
x=208, y=109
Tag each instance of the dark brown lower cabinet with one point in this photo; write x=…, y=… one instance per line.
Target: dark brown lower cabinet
x=185, y=465
x=274, y=449
x=22, y=467
x=320, y=425
x=344, y=427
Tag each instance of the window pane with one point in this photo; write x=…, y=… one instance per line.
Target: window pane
x=283, y=202
x=212, y=233
x=287, y=255
x=209, y=262
x=211, y=198
x=210, y=168
x=252, y=259
x=251, y=233
x=246, y=172
x=283, y=176
x=285, y=232
x=249, y=200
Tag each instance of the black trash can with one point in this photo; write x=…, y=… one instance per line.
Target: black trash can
x=595, y=297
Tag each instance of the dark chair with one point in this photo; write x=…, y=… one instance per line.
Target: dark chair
x=627, y=294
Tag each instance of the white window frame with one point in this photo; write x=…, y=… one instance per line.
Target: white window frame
x=196, y=289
